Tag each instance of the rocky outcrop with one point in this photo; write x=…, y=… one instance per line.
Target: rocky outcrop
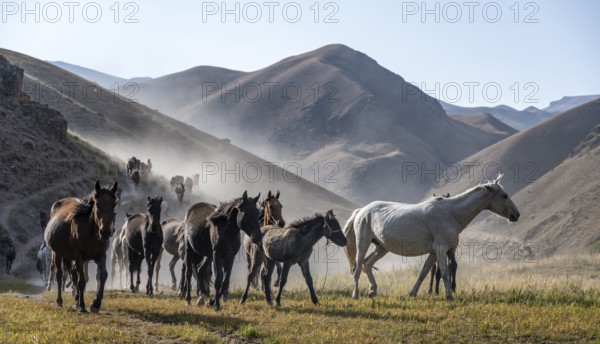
x=11, y=79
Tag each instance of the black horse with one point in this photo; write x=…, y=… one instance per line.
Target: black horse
x=144, y=238
x=10, y=254
x=217, y=239
x=438, y=274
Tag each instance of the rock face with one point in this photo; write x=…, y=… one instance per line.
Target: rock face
x=11, y=79
x=15, y=107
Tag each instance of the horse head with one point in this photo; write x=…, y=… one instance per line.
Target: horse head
x=272, y=210
x=499, y=202
x=154, y=209
x=104, y=203
x=247, y=219
x=332, y=229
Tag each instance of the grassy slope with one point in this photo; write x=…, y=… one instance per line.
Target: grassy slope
x=547, y=301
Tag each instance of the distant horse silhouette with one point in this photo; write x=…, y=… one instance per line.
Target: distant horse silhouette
x=222, y=232
x=43, y=262
x=177, y=180
x=196, y=180
x=135, y=177
x=9, y=254
x=189, y=184
x=430, y=227
x=78, y=231
x=133, y=164
x=292, y=245
x=180, y=191
x=144, y=238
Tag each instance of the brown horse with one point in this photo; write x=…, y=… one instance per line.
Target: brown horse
x=78, y=231
x=293, y=245
x=144, y=238
x=135, y=177
x=218, y=239
x=270, y=214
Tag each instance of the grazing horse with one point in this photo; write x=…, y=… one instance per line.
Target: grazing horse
x=78, y=231
x=10, y=254
x=293, y=245
x=144, y=238
x=180, y=191
x=271, y=214
x=222, y=234
x=135, y=177
x=430, y=227
x=189, y=184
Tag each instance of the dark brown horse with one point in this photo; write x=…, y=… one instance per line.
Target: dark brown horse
x=223, y=230
x=270, y=214
x=144, y=238
x=189, y=184
x=78, y=231
x=293, y=245
x=135, y=177
x=9, y=254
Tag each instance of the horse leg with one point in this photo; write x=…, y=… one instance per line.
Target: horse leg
x=438, y=277
x=423, y=274
x=362, y=248
x=228, y=268
x=150, y=261
x=433, y=271
x=266, y=272
x=219, y=265
x=304, y=265
x=255, y=262
x=278, y=268
x=187, y=269
x=132, y=265
x=442, y=260
x=369, y=263
x=157, y=268
x=80, y=271
x=282, y=281
x=453, y=268
x=57, y=262
x=102, y=275
x=172, y=270
x=138, y=268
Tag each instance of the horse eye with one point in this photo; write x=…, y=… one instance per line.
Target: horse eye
x=505, y=196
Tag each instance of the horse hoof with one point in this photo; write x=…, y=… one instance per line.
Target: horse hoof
x=59, y=304
x=372, y=294
x=355, y=295
x=82, y=310
x=449, y=298
x=94, y=309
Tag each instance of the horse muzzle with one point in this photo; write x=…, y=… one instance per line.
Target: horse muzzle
x=281, y=224
x=105, y=234
x=514, y=217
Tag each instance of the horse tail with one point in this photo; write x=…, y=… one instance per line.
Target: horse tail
x=350, y=248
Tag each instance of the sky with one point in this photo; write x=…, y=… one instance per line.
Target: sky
x=469, y=53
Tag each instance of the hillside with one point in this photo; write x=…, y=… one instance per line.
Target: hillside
x=105, y=80
x=333, y=109
x=125, y=128
x=559, y=210
x=525, y=156
x=519, y=120
x=40, y=161
x=497, y=129
x=567, y=103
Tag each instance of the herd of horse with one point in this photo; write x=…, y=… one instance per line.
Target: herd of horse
x=208, y=239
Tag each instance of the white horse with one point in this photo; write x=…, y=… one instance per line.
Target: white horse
x=430, y=227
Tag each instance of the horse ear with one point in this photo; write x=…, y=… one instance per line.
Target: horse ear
x=149, y=199
x=269, y=195
x=257, y=198
x=277, y=196
x=498, y=178
x=487, y=187
x=160, y=199
x=115, y=187
x=245, y=196
x=97, y=185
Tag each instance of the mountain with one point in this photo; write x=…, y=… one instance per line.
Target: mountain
x=354, y=125
x=567, y=103
x=519, y=120
x=559, y=211
x=486, y=122
x=124, y=128
x=526, y=156
x=105, y=80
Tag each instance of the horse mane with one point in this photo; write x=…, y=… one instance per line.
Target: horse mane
x=85, y=205
x=224, y=209
x=304, y=221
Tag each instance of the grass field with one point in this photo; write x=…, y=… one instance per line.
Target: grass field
x=556, y=300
